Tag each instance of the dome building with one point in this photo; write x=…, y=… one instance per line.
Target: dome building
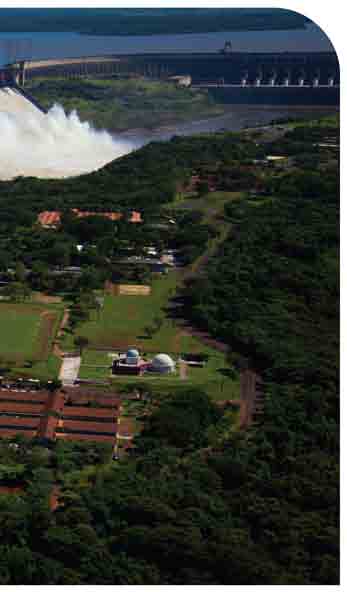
x=132, y=357
x=163, y=364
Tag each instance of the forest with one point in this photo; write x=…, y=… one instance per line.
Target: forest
x=145, y=180
x=196, y=503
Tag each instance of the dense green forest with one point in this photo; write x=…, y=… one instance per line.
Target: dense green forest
x=272, y=293
x=145, y=179
x=148, y=21
x=196, y=503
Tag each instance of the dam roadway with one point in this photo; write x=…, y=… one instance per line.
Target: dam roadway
x=234, y=77
x=201, y=67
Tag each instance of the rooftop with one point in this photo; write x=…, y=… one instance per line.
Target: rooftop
x=53, y=218
x=50, y=417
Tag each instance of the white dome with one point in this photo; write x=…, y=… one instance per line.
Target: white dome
x=133, y=353
x=163, y=361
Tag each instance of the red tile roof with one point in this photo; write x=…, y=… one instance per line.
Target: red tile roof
x=82, y=399
x=34, y=398
x=90, y=437
x=21, y=422
x=53, y=218
x=55, y=402
x=88, y=413
x=20, y=408
x=49, y=218
x=71, y=425
x=109, y=215
x=136, y=217
x=47, y=427
x=87, y=423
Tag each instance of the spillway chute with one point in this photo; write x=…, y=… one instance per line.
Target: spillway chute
x=50, y=145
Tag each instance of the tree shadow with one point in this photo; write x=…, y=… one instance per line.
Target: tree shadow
x=228, y=372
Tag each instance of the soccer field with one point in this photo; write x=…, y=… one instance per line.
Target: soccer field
x=26, y=331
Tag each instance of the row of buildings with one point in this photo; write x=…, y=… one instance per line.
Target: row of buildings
x=52, y=219
x=53, y=416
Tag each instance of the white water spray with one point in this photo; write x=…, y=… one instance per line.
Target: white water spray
x=50, y=145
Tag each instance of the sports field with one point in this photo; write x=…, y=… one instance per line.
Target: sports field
x=26, y=331
x=123, y=320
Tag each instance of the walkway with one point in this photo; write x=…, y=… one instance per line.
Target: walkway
x=69, y=370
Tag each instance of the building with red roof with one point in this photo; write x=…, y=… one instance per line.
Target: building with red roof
x=52, y=219
x=49, y=417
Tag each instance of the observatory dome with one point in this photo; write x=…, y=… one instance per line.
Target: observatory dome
x=133, y=357
x=132, y=353
x=163, y=363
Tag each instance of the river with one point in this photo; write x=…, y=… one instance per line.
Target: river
x=237, y=118
x=59, y=45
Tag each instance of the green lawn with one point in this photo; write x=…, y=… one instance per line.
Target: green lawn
x=123, y=319
x=121, y=325
x=43, y=369
x=210, y=204
x=26, y=331
x=96, y=365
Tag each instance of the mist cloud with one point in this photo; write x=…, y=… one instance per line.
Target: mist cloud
x=52, y=145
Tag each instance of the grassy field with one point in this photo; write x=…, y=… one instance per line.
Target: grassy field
x=121, y=325
x=210, y=205
x=117, y=105
x=26, y=331
x=123, y=319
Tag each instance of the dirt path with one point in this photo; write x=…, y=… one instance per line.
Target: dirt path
x=57, y=351
x=251, y=397
x=189, y=273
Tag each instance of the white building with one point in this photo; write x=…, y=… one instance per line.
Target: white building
x=163, y=364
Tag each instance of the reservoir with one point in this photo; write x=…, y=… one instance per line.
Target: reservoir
x=62, y=45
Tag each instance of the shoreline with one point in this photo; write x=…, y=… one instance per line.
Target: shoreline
x=234, y=110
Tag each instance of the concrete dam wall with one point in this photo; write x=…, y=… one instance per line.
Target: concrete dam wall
x=202, y=67
x=277, y=95
x=236, y=77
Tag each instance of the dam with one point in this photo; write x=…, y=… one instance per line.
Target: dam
x=234, y=77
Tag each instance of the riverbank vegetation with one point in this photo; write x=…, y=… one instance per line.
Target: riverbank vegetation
x=118, y=105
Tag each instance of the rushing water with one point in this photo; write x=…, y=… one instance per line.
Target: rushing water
x=59, y=45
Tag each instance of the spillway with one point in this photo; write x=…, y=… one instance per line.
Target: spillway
x=50, y=145
x=14, y=102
